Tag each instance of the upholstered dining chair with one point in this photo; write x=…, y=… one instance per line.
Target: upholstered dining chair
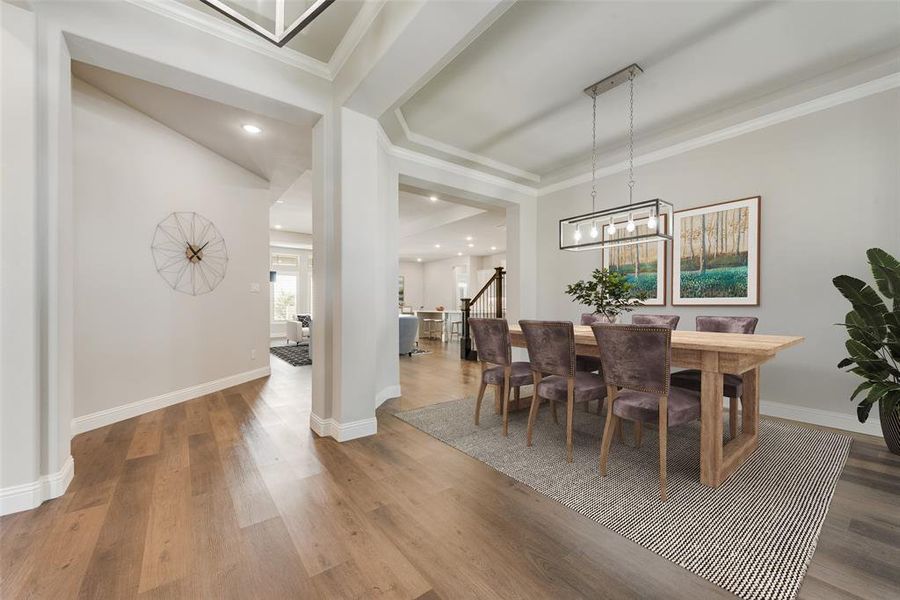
x=551, y=350
x=670, y=321
x=583, y=362
x=497, y=367
x=637, y=359
x=733, y=384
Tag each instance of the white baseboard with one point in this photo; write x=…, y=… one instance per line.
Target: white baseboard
x=391, y=391
x=26, y=496
x=823, y=418
x=126, y=411
x=343, y=432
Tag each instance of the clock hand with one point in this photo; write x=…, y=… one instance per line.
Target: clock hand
x=194, y=253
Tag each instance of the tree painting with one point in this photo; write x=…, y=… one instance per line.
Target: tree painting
x=714, y=254
x=640, y=263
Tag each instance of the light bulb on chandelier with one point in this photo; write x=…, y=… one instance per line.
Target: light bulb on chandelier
x=651, y=221
x=630, y=226
x=594, y=231
x=611, y=228
x=577, y=235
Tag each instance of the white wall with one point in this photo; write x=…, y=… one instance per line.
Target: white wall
x=135, y=337
x=440, y=282
x=414, y=283
x=830, y=187
x=20, y=451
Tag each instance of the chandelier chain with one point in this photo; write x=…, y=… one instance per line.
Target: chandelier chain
x=631, y=138
x=594, y=157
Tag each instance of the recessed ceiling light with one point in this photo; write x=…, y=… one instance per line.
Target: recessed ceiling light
x=459, y=253
x=471, y=245
x=418, y=260
x=437, y=245
x=493, y=247
x=251, y=128
x=434, y=198
x=468, y=238
x=279, y=202
x=278, y=227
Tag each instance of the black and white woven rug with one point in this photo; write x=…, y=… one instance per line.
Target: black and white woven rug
x=297, y=356
x=754, y=536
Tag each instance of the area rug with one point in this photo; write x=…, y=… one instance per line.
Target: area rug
x=417, y=351
x=296, y=356
x=754, y=536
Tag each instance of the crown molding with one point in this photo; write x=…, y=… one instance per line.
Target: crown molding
x=460, y=153
x=361, y=23
x=229, y=32
x=857, y=92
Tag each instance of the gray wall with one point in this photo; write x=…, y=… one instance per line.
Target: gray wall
x=830, y=187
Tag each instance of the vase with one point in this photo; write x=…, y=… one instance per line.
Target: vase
x=890, y=427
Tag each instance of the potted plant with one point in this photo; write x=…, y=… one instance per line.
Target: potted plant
x=874, y=342
x=608, y=292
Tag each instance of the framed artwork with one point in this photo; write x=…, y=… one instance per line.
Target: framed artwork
x=401, y=290
x=643, y=264
x=716, y=255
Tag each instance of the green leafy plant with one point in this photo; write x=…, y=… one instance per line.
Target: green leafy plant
x=608, y=292
x=874, y=330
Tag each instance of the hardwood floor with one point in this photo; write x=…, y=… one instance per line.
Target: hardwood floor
x=231, y=496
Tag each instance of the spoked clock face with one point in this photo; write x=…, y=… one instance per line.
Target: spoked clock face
x=189, y=253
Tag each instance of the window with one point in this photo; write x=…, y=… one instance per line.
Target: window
x=284, y=300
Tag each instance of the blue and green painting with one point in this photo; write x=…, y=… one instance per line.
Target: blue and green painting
x=638, y=262
x=714, y=250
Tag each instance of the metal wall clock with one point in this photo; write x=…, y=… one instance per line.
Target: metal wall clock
x=189, y=253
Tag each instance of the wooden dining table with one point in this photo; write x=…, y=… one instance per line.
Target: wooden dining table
x=714, y=354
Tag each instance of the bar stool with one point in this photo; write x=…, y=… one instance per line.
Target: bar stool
x=433, y=328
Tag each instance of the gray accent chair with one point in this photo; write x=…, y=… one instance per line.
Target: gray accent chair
x=497, y=367
x=551, y=349
x=637, y=359
x=409, y=327
x=591, y=364
x=733, y=386
x=670, y=321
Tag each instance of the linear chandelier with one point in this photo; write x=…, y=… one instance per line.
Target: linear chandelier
x=632, y=223
x=281, y=32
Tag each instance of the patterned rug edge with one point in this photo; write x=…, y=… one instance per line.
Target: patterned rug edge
x=848, y=441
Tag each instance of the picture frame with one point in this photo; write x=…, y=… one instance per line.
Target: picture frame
x=624, y=257
x=715, y=254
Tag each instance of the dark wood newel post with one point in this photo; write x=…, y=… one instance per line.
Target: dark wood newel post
x=498, y=277
x=465, y=339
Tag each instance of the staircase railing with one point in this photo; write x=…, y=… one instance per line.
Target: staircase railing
x=489, y=302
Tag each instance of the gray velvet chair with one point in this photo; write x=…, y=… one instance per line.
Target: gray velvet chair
x=733, y=387
x=590, y=364
x=551, y=350
x=636, y=358
x=497, y=367
x=670, y=321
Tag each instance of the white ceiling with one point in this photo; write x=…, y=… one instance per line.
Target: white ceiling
x=515, y=94
x=280, y=154
x=424, y=223
x=318, y=40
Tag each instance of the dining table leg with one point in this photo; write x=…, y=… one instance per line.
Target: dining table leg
x=711, y=392
x=719, y=460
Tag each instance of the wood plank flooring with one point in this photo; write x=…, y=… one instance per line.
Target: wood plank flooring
x=231, y=496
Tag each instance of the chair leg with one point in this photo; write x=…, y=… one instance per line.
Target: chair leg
x=516, y=392
x=498, y=402
x=535, y=406
x=570, y=414
x=663, y=441
x=732, y=417
x=478, y=401
x=608, y=430
x=638, y=433
x=506, y=375
x=553, y=410
x=617, y=432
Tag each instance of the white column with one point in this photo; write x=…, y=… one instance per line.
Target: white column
x=355, y=269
